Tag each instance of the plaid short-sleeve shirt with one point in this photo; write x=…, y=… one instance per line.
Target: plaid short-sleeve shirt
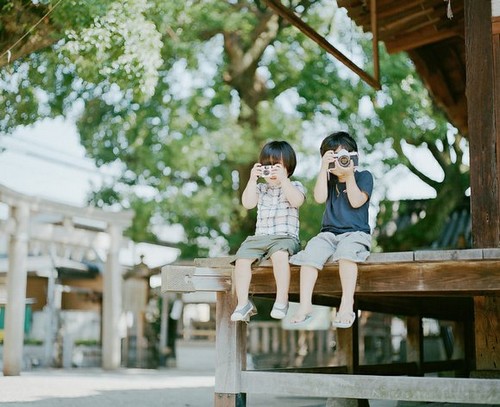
x=275, y=215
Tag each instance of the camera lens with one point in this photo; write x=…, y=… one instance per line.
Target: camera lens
x=344, y=160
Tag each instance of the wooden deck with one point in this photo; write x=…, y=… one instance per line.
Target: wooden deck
x=448, y=284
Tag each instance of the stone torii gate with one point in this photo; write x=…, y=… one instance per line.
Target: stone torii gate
x=22, y=230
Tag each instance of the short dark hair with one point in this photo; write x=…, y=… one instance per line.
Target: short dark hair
x=336, y=140
x=279, y=151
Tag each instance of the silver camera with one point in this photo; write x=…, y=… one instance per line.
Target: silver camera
x=266, y=171
x=344, y=159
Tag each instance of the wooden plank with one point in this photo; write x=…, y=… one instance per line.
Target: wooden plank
x=386, y=257
x=224, y=261
x=391, y=257
x=190, y=279
x=418, y=39
x=444, y=255
x=432, y=389
x=419, y=277
x=491, y=253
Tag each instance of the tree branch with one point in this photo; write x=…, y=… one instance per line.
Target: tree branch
x=15, y=24
x=405, y=161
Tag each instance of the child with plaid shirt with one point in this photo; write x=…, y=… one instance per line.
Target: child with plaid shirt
x=277, y=230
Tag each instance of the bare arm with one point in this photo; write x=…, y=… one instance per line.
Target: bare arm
x=356, y=197
x=321, y=186
x=250, y=198
x=292, y=194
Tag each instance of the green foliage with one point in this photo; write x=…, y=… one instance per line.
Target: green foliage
x=180, y=97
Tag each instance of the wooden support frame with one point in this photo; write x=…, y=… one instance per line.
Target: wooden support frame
x=233, y=381
x=292, y=18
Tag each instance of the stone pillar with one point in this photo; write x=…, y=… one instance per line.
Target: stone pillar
x=112, y=303
x=16, y=292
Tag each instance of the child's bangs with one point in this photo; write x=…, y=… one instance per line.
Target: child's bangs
x=272, y=157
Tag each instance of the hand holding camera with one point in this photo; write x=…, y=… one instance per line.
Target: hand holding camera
x=343, y=159
x=274, y=171
x=266, y=171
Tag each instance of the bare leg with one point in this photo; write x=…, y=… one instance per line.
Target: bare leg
x=348, y=271
x=242, y=278
x=281, y=270
x=308, y=277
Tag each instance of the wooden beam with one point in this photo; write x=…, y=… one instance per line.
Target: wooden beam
x=418, y=39
x=293, y=19
x=433, y=389
x=484, y=132
x=416, y=278
x=12, y=198
x=426, y=273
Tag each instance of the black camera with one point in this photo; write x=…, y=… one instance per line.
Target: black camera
x=344, y=159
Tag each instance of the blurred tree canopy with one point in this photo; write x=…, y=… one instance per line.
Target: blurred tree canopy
x=179, y=97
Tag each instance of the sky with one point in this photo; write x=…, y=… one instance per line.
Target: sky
x=48, y=161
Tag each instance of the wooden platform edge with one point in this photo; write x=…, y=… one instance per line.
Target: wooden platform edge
x=403, y=388
x=430, y=277
x=191, y=278
x=385, y=257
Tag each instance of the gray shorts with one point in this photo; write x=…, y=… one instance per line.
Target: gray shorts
x=328, y=247
x=261, y=247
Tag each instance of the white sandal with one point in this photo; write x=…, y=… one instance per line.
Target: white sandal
x=244, y=313
x=345, y=322
x=279, y=312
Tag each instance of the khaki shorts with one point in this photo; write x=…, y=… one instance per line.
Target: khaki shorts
x=328, y=247
x=262, y=247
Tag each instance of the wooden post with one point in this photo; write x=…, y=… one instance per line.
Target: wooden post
x=16, y=292
x=345, y=348
x=482, y=51
x=163, y=329
x=348, y=346
x=111, y=303
x=230, y=357
x=414, y=340
x=487, y=321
